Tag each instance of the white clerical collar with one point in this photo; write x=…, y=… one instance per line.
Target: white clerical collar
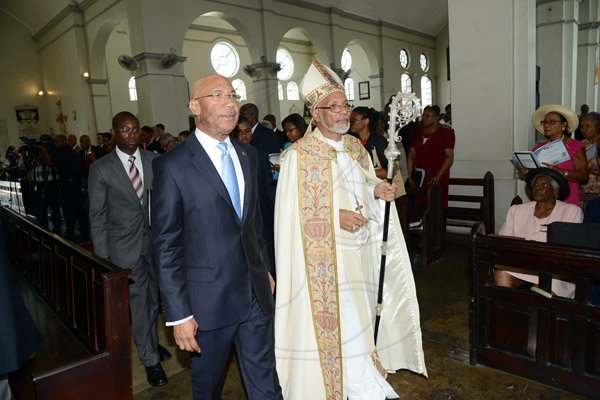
x=336, y=144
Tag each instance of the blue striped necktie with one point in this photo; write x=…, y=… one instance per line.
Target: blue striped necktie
x=229, y=178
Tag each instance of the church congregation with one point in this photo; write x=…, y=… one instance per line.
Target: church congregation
x=238, y=158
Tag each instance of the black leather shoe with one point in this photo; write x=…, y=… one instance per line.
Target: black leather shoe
x=163, y=353
x=156, y=375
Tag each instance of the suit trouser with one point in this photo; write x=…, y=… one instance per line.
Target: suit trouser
x=144, y=303
x=72, y=208
x=46, y=194
x=254, y=344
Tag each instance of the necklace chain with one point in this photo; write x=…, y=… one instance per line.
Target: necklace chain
x=351, y=188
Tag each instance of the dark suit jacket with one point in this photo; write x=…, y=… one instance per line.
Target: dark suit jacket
x=282, y=138
x=207, y=261
x=265, y=140
x=267, y=188
x=118, y=220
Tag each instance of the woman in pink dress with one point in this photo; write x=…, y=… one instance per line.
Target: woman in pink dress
x=590, y=128
x=555, y=122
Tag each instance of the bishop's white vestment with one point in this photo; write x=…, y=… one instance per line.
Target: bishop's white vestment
x=327, y=278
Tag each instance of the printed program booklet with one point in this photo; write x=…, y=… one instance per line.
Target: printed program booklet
x=551, y=153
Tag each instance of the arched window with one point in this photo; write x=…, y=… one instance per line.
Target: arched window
x=284, y=59
x=224, y=59
x=132, y=89
x=424, y=62
x=240, y=88
x=404, y=58
x=349, y=87
x=292, y=91
x=346, y=60
x=406, y=83
x=279, y=91
x=426, y=91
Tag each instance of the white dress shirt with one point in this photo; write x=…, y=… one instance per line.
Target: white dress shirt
x=210, y=146
x=124, y=157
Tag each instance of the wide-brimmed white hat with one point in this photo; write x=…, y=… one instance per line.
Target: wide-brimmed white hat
x=540, y=113
x=319, y=82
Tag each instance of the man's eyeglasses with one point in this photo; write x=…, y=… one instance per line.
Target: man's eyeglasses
x=218, y=97
x=337, y=108
x=128, y=129
x=551, y=122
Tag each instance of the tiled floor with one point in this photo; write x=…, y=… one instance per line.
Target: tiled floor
x=442, y=292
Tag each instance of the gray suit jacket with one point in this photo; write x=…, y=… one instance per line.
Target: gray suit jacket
x=118, y=220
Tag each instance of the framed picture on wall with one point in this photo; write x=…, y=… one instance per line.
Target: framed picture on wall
x=364, y=90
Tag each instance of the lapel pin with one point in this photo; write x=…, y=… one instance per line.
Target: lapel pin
x=244, y=153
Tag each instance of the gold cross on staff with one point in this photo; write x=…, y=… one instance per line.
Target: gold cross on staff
x=358, y=208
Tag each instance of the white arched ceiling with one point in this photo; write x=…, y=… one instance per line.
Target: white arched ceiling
x=300, y=33
x=365, y=51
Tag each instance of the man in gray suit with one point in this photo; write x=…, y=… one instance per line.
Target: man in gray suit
x=119, y=186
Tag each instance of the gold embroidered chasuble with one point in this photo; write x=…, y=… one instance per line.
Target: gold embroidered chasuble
x=308, y=207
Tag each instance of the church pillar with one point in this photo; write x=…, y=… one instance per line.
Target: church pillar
x=376, y=89
x=587, y=55
x=264, y=85
x=162, y=88
x=101, y=105
x=557, y=24
x=493, y=89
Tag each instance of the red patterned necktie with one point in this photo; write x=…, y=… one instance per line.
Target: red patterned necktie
x=136, y=178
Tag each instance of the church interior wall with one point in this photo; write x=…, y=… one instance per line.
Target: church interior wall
x=118, y=44
x=302, y=52
x=58, y=53
x=394, y=40
x=495, y=119
x=21, y=80
x=587, y=67
x=557, y=51
x=442, y=94
x=60, y=42
x=60, y=62
x=360, y=71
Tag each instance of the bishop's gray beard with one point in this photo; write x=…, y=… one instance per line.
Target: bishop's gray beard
x=336, y=128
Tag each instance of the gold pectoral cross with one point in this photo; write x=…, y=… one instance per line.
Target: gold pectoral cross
x=358, y=208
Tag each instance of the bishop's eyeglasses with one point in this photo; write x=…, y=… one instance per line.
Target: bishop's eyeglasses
x=337, y=108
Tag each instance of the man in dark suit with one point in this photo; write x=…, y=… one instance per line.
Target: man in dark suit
x=70, y=181
x=278, y=132
x=119, y=185
x=262, y=138
x=211, y=259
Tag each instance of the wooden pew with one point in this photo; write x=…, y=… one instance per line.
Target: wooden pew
x=85, y=301
x=427, y=240
x=11, y=196
x=555, y=341
x=478, y=207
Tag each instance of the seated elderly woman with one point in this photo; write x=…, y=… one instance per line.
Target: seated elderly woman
x=529, y=221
